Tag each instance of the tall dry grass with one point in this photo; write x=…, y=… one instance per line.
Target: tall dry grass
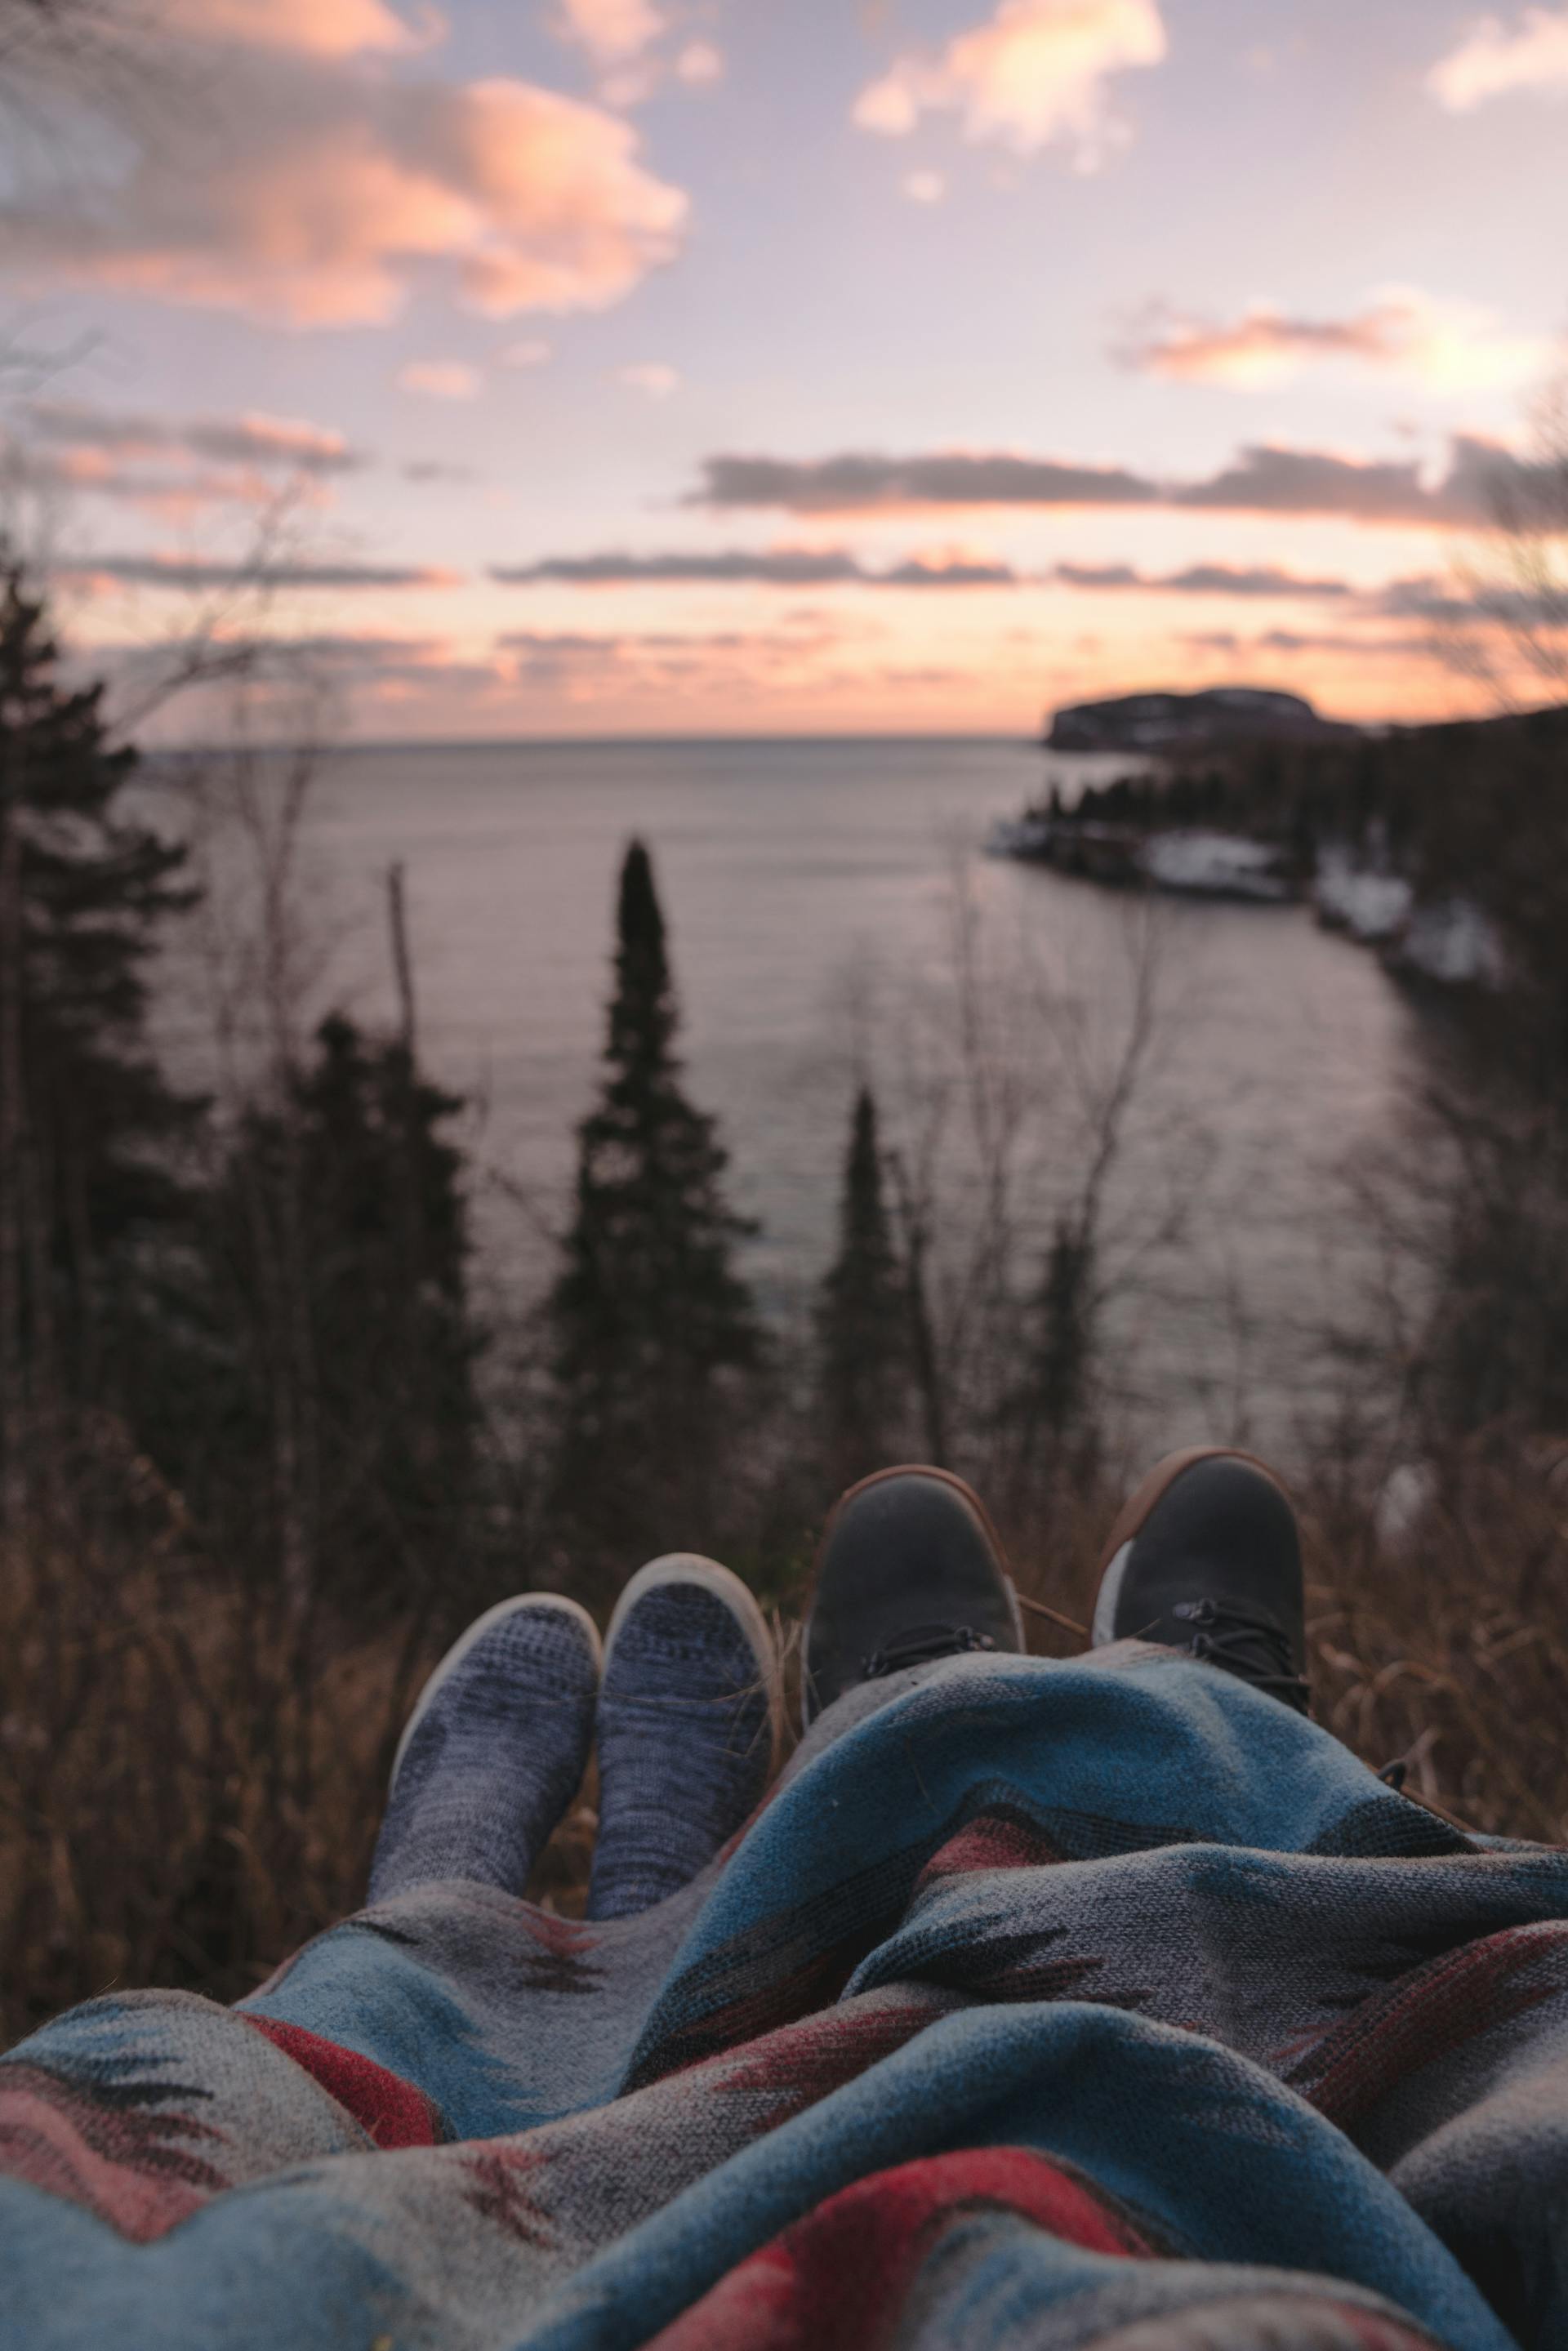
x=187, y=1791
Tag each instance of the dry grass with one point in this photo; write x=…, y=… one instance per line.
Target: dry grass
x=186, y=1796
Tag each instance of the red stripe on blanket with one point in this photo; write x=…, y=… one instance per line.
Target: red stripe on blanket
x=835, y=2281
x=1429, y=2013
x=996, y=1840
x=393, y=2112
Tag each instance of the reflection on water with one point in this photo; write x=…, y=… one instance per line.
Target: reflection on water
x=810, y=888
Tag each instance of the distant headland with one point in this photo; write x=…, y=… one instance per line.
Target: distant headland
x=1158, y=725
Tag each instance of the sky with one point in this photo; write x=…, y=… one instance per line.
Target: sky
x=756, y=366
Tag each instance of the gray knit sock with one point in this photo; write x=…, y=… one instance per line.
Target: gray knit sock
x=493, y=1750
x=685, y=1729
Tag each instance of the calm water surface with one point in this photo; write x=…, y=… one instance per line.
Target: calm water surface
x=810, y=888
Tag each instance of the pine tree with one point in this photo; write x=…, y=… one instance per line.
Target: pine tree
x=333, y=1356
x=649, y=1320
x=89, y=1125
x=862, y=1317
x=1063, y=1355
x=1049, y=1417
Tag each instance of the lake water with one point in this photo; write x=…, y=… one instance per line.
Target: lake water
x=810, y=889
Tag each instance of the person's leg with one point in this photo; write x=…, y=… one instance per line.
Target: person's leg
x=909, y=1570
x=1205, y=1557
x=421, y=1984
x=687, y=1729
x=494, y=1751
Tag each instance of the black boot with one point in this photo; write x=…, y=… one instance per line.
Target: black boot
x=1206, y=1558
x=909, y=1568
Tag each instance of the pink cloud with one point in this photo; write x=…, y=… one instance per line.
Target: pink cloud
x=441, y=378
x=700, y=63
x=316, y=28
x=655, y=378
x=331, y=189
x=188, y=574
x=1036, y=72
x=250, y=438
x=1448, y=345
x=612, y=31
x=1493, y=60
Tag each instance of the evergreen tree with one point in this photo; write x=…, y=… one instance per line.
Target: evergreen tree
x=88, y=1126
x=1049, y=1414
x=649, y=1320
x=322, y=1412
x=862, y=1318
x=1063, y=1353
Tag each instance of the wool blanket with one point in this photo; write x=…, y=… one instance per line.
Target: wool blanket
x=1041, y=2006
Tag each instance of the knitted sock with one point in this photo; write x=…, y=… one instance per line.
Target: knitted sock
x=685, y=1728
x=493, y=1752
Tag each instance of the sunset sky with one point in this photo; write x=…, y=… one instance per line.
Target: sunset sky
x=733, y=366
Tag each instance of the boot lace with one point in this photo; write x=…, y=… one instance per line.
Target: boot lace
x=921, y=1645
x=1254, y=1648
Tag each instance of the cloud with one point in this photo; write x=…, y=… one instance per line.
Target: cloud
x=1099, y=576
x=660, y=654
x=583, y=669
x=860, y=481
x=700, y=65
x=248, y=439
x=189, y=574
x=925, y=187
x=1222, y=579
x=1263, y=478
x=1493, y=59
x=1442, y=601
x=319, y=28
x=1300, y=641
x=652, y=377
x=612, y=31
x=331, y=189
x=1451, y=345
x=784, y=567
x=169, y=467
x=946, y=571
x=441, y=378
x=1268, y=479
x=1034, y=73
x=532, y=354
x=1199, y=580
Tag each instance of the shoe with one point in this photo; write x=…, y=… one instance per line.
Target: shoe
x=910, y=1568
x=689, y=1718
x=494, y=1751
x=1206, y=1557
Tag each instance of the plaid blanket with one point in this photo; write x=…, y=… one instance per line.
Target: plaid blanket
x=1050, y=2005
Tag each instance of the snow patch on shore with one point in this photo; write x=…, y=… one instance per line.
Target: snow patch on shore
x=1215, y=865
x=1453, y=941
x=1372, y=906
